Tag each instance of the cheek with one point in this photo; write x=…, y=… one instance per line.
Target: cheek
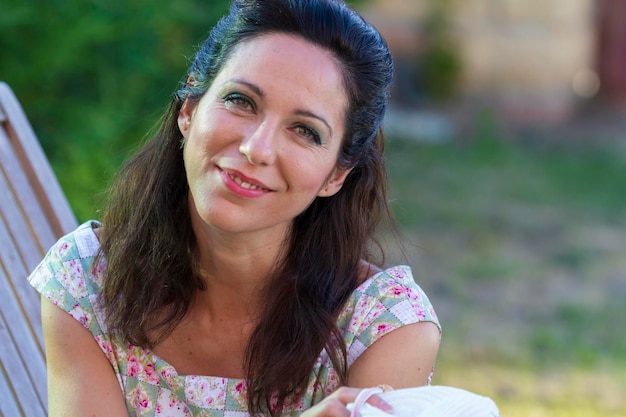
x=206, y=136
x=311, y=175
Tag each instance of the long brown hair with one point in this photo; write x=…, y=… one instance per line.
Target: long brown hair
x=148, y=242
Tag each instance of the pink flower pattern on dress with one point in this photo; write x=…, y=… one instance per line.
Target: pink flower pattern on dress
x=80, y=315
x=153, y=388
x=71, y=279
x=168, y=405
x=382, y=329
x=152, y=377
x=140, y=401
x=133, y=368
x=366, y=312
x=206, y=392
x=63, y=249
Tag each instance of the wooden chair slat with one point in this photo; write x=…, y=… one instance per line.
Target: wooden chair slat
x=18, y=290
x=36, y=166
x=9, y=406
x=30, y=250
x=19, y=382
x=21, y=188
x=34, y=213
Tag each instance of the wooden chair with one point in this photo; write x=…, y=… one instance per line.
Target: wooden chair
x=34, y=213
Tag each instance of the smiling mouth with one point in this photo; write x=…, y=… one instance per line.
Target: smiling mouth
x=244, y=184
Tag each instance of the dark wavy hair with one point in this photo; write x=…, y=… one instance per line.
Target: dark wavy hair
x=148, y=242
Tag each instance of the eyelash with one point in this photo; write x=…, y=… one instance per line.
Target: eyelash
x=246, y=103
x=239, y=100
x=310, y=134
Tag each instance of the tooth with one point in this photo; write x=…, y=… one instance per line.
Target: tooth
x=242, y=183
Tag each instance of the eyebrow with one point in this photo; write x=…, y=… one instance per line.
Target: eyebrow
x=259, y=91
x=307, y=113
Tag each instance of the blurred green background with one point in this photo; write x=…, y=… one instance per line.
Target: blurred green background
x=94, y=76
x=514, y=229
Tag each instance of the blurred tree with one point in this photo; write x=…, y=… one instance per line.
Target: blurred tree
x=93, y=76
x=439, y=64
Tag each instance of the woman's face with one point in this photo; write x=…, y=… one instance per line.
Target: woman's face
x=263, y=141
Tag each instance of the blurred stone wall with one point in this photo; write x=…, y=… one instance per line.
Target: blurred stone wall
x=532, y=59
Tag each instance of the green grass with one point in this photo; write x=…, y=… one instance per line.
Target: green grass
x=523, y=392
x=483, y=176
x=520, y=248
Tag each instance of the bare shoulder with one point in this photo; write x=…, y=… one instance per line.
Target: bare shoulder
x=402, y=358
x=81, y=380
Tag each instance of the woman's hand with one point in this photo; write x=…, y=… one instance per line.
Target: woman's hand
x=335, y=404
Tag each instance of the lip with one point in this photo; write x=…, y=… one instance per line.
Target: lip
x=242, y=185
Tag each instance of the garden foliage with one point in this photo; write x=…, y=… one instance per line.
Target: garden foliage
x=94, y=75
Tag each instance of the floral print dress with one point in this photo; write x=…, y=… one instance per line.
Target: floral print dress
x=152, y=387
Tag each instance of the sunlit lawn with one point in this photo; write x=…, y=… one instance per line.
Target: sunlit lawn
x=520, y=247
x=559, y=392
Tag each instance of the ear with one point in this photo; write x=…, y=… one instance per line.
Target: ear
x=184, y=117
x=334, y=182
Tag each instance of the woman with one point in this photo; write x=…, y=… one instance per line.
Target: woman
x=231, y=271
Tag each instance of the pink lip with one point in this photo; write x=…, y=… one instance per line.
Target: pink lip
x=238, y=189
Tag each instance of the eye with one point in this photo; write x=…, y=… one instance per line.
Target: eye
x=308, y=133
x=236, y=100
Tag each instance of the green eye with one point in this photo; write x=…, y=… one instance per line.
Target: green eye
x=308, y=133
x=239, y=100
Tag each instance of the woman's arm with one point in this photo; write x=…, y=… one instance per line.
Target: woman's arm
x=81, y=381
x=402, y=358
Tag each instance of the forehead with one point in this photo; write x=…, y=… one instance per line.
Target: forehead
x=279, y=57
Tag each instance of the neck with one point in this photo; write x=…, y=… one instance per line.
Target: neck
x=235, y=269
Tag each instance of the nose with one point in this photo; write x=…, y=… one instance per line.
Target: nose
x=259, y=146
